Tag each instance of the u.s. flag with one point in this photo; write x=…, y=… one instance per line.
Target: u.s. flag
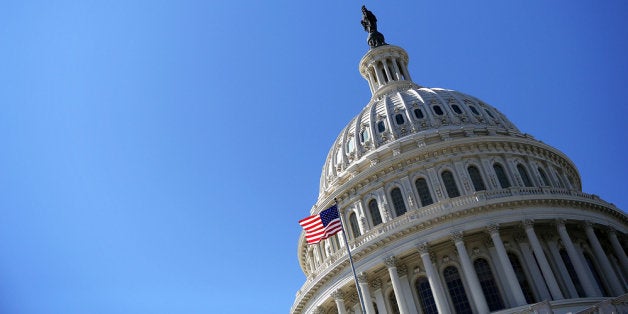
x=321, y=226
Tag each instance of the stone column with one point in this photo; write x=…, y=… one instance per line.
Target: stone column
x=564, y=274
x=605, y=264
x=398, y=74
x=378, y=74
x=541, y=291
x=599, y=286
x=470, y=275
x=410, y=198
x=432, y=277
x=387, y=70
x=402, y=271
x=371, y=80
x=581, y=269
x=382, y=204
x=509, y=272
x=366, y=293
x=379, y=296
x=548, y=275
x=310, y=259
x=391, y=263
x=619, y=251
x=500, y=274
x=405, y=73
x=340, y=302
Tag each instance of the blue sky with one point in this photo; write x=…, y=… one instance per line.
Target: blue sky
x=157, y=155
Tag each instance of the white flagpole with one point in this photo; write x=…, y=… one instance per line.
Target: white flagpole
x=355, y=276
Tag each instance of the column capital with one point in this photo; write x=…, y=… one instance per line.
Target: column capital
x=362, y=278
x=520, y=237
x=390, y=261
x=528, y=223
x=560, y=222
x=492, y=228
x=423, y=248
x=402, y=270
x=338, y=295
x=610, y=230
x=456, y=236
x=587, y=224
x=376, y=284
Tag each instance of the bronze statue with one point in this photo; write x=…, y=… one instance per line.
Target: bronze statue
x=369, y=22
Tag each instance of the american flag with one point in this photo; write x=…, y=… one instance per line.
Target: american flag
x=321, y=226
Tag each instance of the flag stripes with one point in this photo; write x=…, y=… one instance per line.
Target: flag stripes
x=322, y=226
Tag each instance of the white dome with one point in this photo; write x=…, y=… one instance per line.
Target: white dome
x=423, y=115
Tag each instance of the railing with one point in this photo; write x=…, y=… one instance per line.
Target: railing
x=609, y=306
x=442, y=208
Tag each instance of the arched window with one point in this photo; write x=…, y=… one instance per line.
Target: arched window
x=488, y=284
x=355, y=228
x=521, y=277
x=543, y=175
x=572, y=272
x=376, y=217
x=476, y=178
x=364, y=135
x=450, y=184
x=426, y=298
x=456, y=290
x=381, y=126
x=524, y=175
x=424, y=191
x=501, y=176
x=394, y=307
x=398, y=203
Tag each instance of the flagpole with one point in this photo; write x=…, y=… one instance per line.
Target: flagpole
x=355, y=276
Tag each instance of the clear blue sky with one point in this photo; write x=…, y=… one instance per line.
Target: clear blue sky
x=157, y=155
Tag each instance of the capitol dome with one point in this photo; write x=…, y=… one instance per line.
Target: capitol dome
x=449, y=208
x=411, y=113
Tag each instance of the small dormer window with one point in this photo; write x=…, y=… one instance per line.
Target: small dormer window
x=418, y=113
x=456, y=109
x=399, y=119
x=438, y=110
x=475, y=111
x=489, y=113
x=381, y=126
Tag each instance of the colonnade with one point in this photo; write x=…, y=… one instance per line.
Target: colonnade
x=546, y=273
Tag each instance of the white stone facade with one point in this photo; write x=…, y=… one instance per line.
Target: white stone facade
x=449, y=208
